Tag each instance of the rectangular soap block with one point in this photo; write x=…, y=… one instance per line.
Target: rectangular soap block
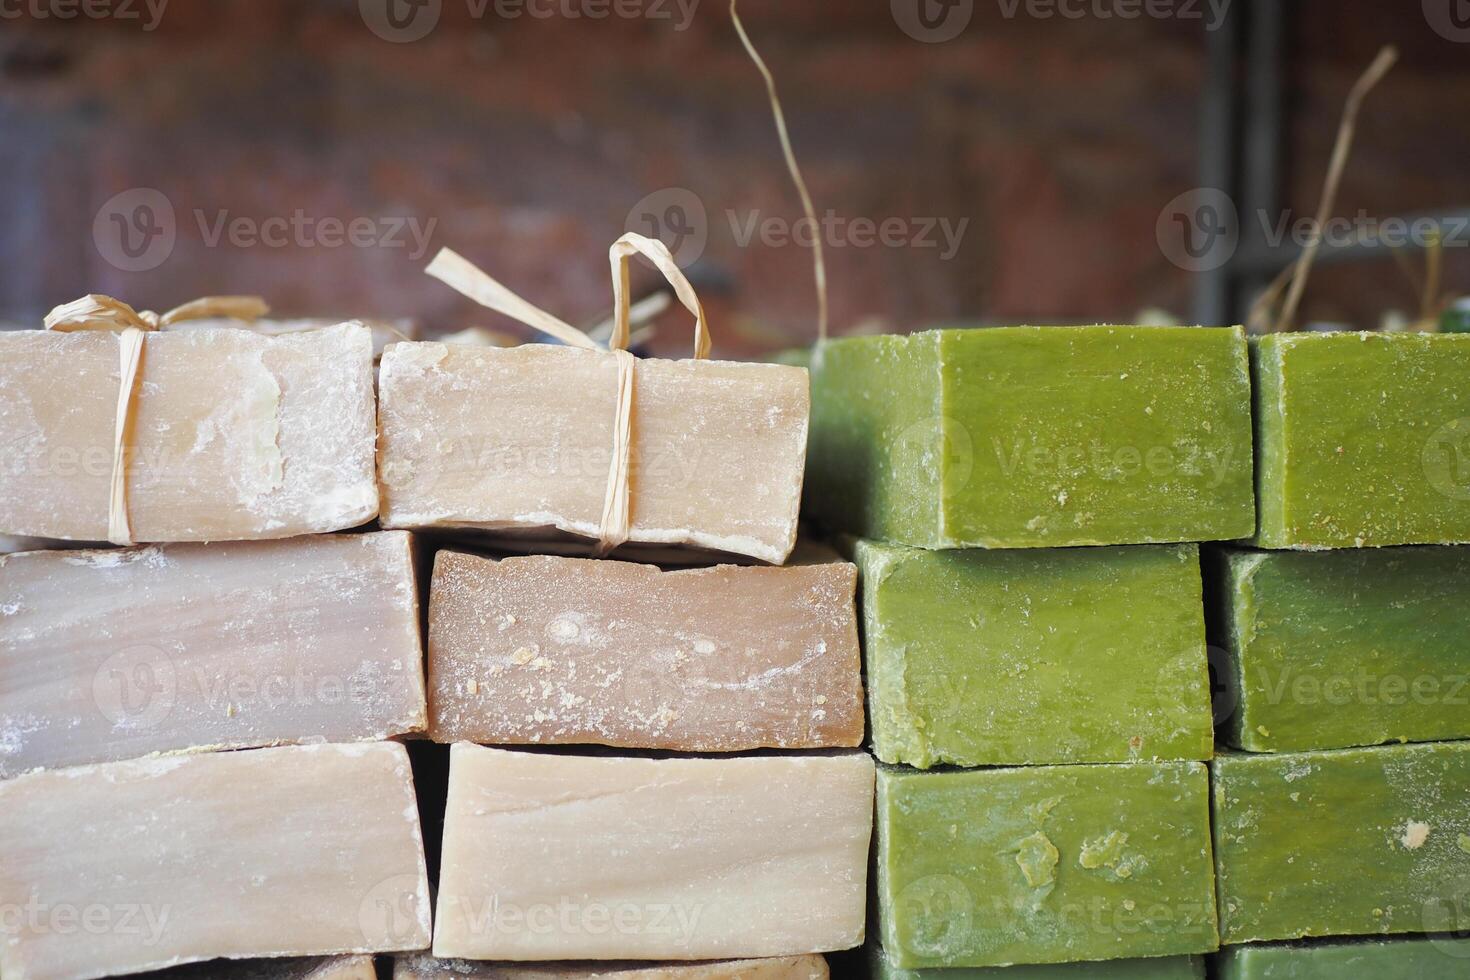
x=1044, y=865
x=579, y=857
x=1344, y=843
x=1419, y=958
x=108, y=655
x=1034, y=437
x=1155, y=968
x=1334, y=649
x=425, y=967
x=1362, y=439
x=384, y=332
x=518, y=442
x=1032, y=657
x=574, y=650
x=234, y=435
x=285, y=968
x=290, y=851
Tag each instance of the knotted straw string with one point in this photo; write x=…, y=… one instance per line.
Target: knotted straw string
x=614, y=526
x=97, y=312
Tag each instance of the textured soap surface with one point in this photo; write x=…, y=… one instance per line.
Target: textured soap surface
x=575, y=650
x=1342, y=648
x=1030, y=657
x=582, y=857
x=1155, y=968
x=1029, y=437
x=518, y=441
x=290, y=851
x=1343, y=843
x=285, y=968
x=108, y=655
x=384, y=332
x=1044, y=865
x=425, y=967
x=234, y=435
x=1363, y=439
x=1431, y=958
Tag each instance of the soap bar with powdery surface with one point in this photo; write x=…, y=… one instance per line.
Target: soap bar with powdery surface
x=1419, y=958
x=1362, y=439
x=425, y=967
x=290, y=851
x=518, y=442
x=108, y=655
x=1341, y=648
x=1032, y=657
x=1156, y=968
x=1034, y=437
x=286, y=968
x=233, y=436
x=576, y=857
x=1044, y=864
x=575, y=650
x=1344, y=843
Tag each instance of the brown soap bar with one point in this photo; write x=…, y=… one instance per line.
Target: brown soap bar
x=234, y=435
x=580, y=651
x=108, y=655
x=294, y=851
x=425, y=967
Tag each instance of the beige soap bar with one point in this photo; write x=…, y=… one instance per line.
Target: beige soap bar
x=577, y=651
x=109, y=655
x=292, y=851
x=518, y=441
x=286, y=968
x=234, y=436
x=575, y=857
x=425, y=967
x=385, y=332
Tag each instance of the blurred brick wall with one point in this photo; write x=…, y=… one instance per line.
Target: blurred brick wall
x=525, y=143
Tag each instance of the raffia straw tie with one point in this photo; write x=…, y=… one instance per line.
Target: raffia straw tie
x=97, y=312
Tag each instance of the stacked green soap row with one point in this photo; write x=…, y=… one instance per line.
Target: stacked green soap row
x=1029, y=437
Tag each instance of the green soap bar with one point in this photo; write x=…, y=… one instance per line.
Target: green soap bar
x=1333, y=649
x=1362, y=439
x=1157, y=968
x=1044, y=865
x=1033, y=437
x=982, y=658
x=1426, y=958
x=1343, y=843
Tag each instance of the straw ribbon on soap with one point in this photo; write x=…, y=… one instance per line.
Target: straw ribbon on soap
x=614, y=526
x=96, y=312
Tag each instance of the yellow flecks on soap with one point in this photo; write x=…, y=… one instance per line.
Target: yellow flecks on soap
x=472, y=686
x=1464, y=842
x=523, y=656
x=1415, y=834
x=1103, y=852
x=1266, y=732
x=1037, y=858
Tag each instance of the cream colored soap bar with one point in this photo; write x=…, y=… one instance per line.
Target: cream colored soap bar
x=519, y=441
x=286, y=968
x=234, y=435
x=575, y=650
x=385, y=332
x=574, y=857
x=425, y=967
x=130, y=866
x=109, y=655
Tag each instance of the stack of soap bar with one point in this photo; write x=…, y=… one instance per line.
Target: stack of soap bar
x=1155, y=968
x=1029, y=437
x=116, y=654
x=574, y=650
x=1362, y=439
x=1342, y=648
x=291, y=851
x=568, y=857
x=1044, y=865
x=983, y=658
x=518, y=441
x=1351, y=842
x=425, y=967
x=234, y=435
x=286, y=968
x=1437, y=957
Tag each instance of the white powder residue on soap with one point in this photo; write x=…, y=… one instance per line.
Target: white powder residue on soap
x=1415, y=834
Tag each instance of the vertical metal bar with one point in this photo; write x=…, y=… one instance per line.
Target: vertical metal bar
x=1262, y=131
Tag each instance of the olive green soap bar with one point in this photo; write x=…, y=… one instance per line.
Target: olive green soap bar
x=1331, y=649
x=1033, y=437
x=1032, y=657
x=1418, y=958
x=1343, y=843
x=1156, y=968
x=993, y=867
x=1362, y=439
